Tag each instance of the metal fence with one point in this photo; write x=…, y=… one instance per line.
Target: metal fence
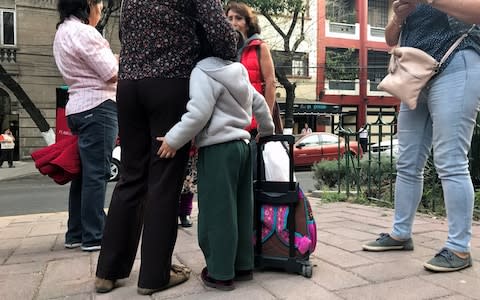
x=372, y=176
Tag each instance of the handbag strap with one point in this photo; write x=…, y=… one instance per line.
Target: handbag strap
x=455, y=45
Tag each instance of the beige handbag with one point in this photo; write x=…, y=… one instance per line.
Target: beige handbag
x=410, y=69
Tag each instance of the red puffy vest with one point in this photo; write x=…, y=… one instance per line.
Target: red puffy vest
x=251, y=62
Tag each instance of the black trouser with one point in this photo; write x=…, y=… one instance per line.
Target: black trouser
x=148, y=190
x=6, y=155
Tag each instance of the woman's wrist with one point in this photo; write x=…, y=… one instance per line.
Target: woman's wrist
x=397, y=22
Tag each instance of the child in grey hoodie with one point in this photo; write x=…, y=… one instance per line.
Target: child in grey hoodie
x=220, y=107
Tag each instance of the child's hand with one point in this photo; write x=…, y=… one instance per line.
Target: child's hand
x=165, y=151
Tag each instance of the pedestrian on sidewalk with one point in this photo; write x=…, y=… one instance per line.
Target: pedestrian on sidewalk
x=220, y=108
x=7, y=144
x=158, y=54
x=444, y=118
x=89, y=68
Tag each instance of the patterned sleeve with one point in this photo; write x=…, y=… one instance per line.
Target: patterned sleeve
x=219, y=32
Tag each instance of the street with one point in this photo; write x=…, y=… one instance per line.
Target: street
x=39, y=194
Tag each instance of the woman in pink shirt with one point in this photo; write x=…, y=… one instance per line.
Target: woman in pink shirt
x=90, y=69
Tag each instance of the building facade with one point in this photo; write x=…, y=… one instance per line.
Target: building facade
x=26, y=38
x=353, y=58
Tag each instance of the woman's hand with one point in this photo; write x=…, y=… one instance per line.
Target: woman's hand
x=403, y=8
x=165, y=151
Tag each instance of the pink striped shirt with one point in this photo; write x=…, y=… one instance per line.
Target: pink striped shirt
x=86, y=63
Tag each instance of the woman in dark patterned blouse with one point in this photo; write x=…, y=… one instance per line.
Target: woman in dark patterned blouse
x=159, y=50
x=443, y=120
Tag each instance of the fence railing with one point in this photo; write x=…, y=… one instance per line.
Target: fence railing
x=373, y=175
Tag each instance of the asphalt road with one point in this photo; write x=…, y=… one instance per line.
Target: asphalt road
x=39, y=194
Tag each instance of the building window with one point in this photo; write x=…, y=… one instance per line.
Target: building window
x=378, y=13
x=293, y=64
x=341, y=64
x=377, y=67
x=341, y=11
x=7, y=19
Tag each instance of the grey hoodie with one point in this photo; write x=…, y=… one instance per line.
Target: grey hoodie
x=220, y=106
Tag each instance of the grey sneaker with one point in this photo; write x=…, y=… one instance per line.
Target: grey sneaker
x=447, y=261
x=386, y=243
x=73, y=245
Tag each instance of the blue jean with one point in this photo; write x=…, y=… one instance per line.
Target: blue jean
x=445, y=119
x=97, y=130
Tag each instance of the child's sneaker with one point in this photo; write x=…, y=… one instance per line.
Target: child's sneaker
x=447, y=261
x=385, y=243
x=224, y=285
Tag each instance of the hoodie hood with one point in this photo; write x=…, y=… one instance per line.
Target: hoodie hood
x=232, y=75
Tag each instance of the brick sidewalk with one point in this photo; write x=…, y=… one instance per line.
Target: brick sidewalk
x=35, y=265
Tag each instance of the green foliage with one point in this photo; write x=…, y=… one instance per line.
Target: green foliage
x=340, y=62
x=379, y=176
x=328, y=173
x=341, y=11
x=270, y=7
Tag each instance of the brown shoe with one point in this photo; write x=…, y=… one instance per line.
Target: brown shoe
x=104, y=285
x=178, y=274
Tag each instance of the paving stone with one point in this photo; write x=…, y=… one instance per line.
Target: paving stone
x=83, y=296
x=47, y=228
x=28, y=268
x=455, y=297
x=45, y=256
x=361, y=226
x=413, y=288
x=36, y=244
x=338, y=241
x=388, y=271
x=334, y=278
x=186, y=242
x=19, y=286
x=193, y=259
x=288, y=288
x=128, y=292
x=419, y=253
x=4, y=222
x=352, y=233
x=459, y=282
x=67, y=277
x=7, y=246
x=12, y=232
x=191, y=287
x=340, y=257
x=240, y=293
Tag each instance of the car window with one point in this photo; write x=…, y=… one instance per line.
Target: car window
x=328, y=139
x=310, y=141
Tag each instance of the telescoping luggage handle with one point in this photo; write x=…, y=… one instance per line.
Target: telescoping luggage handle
x=271, y=191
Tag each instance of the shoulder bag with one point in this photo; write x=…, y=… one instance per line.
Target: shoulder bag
x=410, y=69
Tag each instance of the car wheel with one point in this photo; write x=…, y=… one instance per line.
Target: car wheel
x=114, y=170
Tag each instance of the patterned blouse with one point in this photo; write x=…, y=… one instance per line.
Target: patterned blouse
x=159, y=38
x=433, y=31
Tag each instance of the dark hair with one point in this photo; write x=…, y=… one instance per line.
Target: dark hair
x=245, y=11
x=76, y=8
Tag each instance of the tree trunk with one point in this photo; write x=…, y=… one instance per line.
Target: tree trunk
x=282, y=62
x=27, y=104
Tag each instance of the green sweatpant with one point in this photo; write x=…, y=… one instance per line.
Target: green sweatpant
x=225, y=203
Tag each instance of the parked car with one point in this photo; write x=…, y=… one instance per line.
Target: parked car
x=386, y=147
x=318, y=146
x=115, y=163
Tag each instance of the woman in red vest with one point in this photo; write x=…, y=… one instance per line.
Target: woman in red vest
x=255, y=55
